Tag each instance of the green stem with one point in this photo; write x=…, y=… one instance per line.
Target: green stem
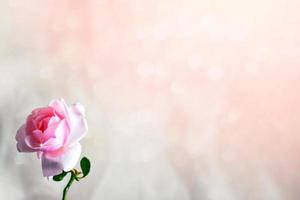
x=72, y=178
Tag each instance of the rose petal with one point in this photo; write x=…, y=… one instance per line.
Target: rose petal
x=37, y=115
x=54, y=120
x=60, y=107
x=75, y=118
x=50, y=166
x=50, y=131
x=79, y=108
x=31, y=143
x=78, y=124
x=20, y=137
x=71, y=157
x=36, y=137
x=53, y=165
x=58, y=134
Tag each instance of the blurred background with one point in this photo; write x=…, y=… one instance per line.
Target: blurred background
x=185, y=99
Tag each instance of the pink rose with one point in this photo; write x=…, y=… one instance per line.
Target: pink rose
x=54, y=133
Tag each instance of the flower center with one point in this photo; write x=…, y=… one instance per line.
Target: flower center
x=43, y=124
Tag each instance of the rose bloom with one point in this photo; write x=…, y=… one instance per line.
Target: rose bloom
x=54, y=132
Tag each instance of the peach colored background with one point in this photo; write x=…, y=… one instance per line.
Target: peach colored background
x=194, y=99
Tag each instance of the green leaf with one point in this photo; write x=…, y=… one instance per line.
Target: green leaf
x=85, y=166
x=60, y=177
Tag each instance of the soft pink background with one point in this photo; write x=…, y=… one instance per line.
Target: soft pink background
x=185, y=99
